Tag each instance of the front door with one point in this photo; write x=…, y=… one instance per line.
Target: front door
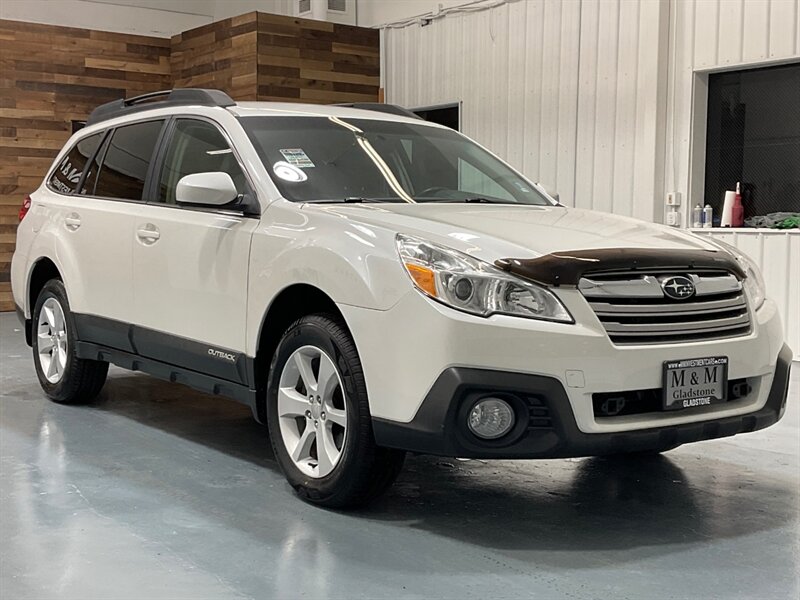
x=190, y=266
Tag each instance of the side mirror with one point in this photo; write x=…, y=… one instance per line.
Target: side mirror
x=214, y=188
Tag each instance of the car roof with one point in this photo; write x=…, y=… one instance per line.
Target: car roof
x=188, y=99
x=206, y=102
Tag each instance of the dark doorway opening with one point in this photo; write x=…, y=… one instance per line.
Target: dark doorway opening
x=448, y=115
x=753, y=137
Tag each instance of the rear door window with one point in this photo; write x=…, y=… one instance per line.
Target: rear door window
x=67, y=175
x=124, y=170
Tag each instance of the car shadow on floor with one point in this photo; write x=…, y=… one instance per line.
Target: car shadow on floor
x=215, y=422
x=607, y=505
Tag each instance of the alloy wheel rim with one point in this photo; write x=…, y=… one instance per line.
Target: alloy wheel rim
x=52, y=343
x=312, y=413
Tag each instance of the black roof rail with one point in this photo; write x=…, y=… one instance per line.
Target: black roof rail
x=176, y=97
x=391, y=109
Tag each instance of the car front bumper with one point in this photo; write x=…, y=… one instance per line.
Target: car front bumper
x=439, y=426
x=406, y=349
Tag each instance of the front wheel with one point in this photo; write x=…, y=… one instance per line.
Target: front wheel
x=64, y=377
x=319, y=420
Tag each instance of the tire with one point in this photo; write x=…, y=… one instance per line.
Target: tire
x=65, y=378
x=339, y=415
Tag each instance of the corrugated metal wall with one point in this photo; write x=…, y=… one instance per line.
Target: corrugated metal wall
x=576, y=106
x=519, y=99
x=619, y=165
x=596, y=98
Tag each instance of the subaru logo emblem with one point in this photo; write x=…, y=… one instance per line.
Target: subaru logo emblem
x=678, y=287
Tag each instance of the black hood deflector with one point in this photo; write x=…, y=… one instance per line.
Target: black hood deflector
x=566, y=268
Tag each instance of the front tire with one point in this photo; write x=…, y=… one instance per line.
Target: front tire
x=319, y=420
x=64, y=377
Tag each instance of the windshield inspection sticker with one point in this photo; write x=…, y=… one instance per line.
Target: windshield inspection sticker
x=289, y=172
x=296, y=157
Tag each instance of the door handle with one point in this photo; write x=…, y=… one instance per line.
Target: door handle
x=72, y=221
x=148, y=234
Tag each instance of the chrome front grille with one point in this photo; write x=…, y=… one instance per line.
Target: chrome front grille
x=634, y=308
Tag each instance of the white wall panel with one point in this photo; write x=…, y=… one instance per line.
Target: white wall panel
x=372, y=13
x=517, y=68
x=530, y=120
x=604, y=122
x=705, y=38
x=778, y=255
x=730, y=24
x=782, y=28
x=755, y=45
x=520, y=98
x=651, y=109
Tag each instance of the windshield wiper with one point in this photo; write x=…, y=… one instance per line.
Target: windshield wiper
x=479, y=200
x=472, y=200
x=351, y=200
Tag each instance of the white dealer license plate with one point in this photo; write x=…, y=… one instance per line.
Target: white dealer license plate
x=695, y=382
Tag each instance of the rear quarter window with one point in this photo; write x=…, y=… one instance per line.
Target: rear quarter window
x=67, y=175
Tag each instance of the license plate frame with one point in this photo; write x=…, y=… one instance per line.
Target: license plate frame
x=693, y=394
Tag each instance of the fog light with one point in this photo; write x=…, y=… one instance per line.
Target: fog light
x=491, y=418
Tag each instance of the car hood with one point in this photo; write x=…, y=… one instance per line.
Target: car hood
x=492, y=232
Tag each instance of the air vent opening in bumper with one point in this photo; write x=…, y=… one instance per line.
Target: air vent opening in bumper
x=608, y=405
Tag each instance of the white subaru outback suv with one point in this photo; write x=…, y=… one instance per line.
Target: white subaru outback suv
x=371, y=284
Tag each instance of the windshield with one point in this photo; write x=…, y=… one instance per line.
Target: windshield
x=328, y=159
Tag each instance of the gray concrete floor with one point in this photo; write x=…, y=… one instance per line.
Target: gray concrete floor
x=160, y=492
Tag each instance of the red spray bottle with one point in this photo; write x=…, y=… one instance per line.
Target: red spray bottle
x=737, y=214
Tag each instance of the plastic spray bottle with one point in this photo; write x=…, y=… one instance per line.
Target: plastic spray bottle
x=737, y=215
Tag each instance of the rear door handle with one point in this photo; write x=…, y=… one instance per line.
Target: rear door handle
x=148, y=234
x=72, y=221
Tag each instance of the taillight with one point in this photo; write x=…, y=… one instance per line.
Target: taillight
x=26, y=206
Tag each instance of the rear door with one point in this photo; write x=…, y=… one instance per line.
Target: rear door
x=190, y=265
x=97, y=222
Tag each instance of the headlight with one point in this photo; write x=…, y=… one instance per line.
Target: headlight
x=466, y=283
x=753, y=281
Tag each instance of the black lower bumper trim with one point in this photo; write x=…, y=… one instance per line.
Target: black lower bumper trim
x=553, y=432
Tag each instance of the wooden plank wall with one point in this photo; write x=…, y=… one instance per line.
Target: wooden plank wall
x=301, y=60
x=260, y=56
x=221, y=55
x=50, y=76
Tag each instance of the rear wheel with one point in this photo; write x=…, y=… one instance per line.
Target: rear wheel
x=319, y=420
x=64, y=377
